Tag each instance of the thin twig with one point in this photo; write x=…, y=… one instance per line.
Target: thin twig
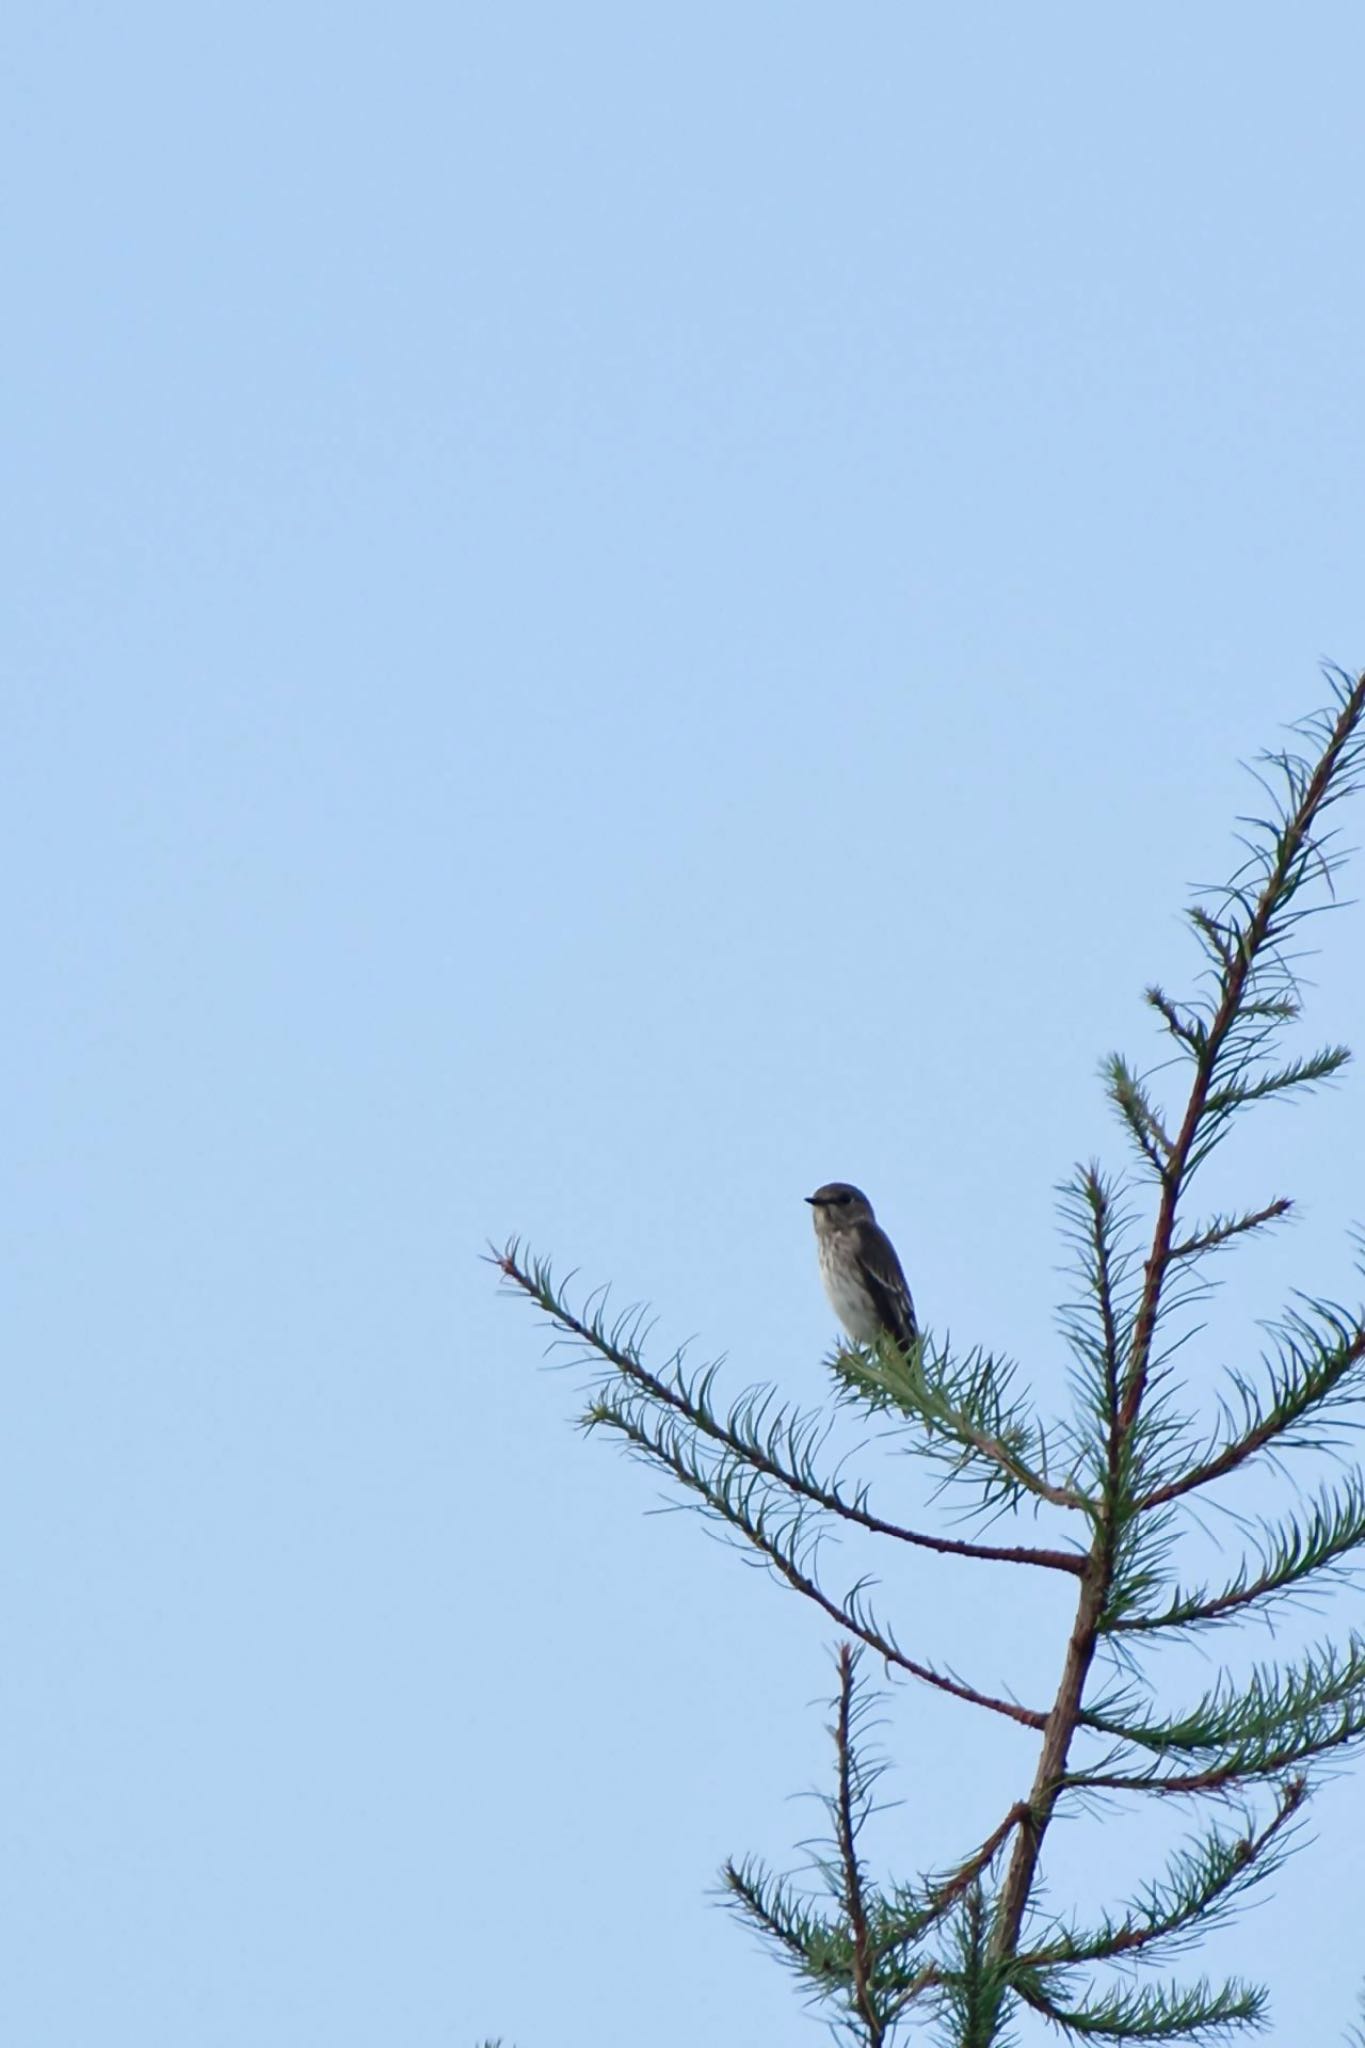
x=747, y=1893
x=1218, y=1777
x=1220, y=1232
x=1032, y=1482
x=951, y=1889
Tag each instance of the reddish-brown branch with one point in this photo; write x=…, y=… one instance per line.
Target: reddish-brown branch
x=863, y=1958
x=800, y=1582
x=1235, y=1454
x=1234, y=1226
x=1134, y=1936
x=951, y=1889
x=1047, y=1779
x=659, y=1390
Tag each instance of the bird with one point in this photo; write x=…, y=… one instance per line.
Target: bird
x=858, y=1265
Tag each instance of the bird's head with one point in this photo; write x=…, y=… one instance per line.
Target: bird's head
x=838, y=1206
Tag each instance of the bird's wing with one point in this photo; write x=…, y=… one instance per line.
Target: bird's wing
x=886, y=1285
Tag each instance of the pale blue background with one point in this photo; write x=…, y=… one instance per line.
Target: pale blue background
x=613, y=611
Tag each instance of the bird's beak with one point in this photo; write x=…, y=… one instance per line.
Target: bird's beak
x=814, y=1200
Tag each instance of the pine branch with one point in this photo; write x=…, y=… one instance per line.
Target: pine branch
x=1308, y=1072
x=1289, y=1555
x=1094, y=1325
x=947, y=1890
x=1280, y=1720
x=1184, y=1026
x=963, y=1407
x=848, y=1818
x=817, y=1950
x=1138, y=1114
x=975, y=1992
x=871, y=1956
x=1097, y=1325
x=773, y=1908
x=1202, y=1885
x=752, y=1434
x=731, y=1497
x=1154, y=2012
x=901, y=1918
x=898, y=1921
x=1223, y=1229
x=1315, y=1374
x=1255, y=1764
x=1273, y=1702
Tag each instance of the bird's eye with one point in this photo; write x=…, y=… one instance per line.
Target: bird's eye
x=842, y=1200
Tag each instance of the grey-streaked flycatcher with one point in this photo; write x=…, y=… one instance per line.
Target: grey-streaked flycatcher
x=859, y=1267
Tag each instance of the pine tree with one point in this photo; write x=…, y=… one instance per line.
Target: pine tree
x=1120, y=1478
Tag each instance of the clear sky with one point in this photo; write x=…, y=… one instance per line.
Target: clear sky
x=614, y=611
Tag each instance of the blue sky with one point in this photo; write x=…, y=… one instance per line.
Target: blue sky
x=614, y=612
